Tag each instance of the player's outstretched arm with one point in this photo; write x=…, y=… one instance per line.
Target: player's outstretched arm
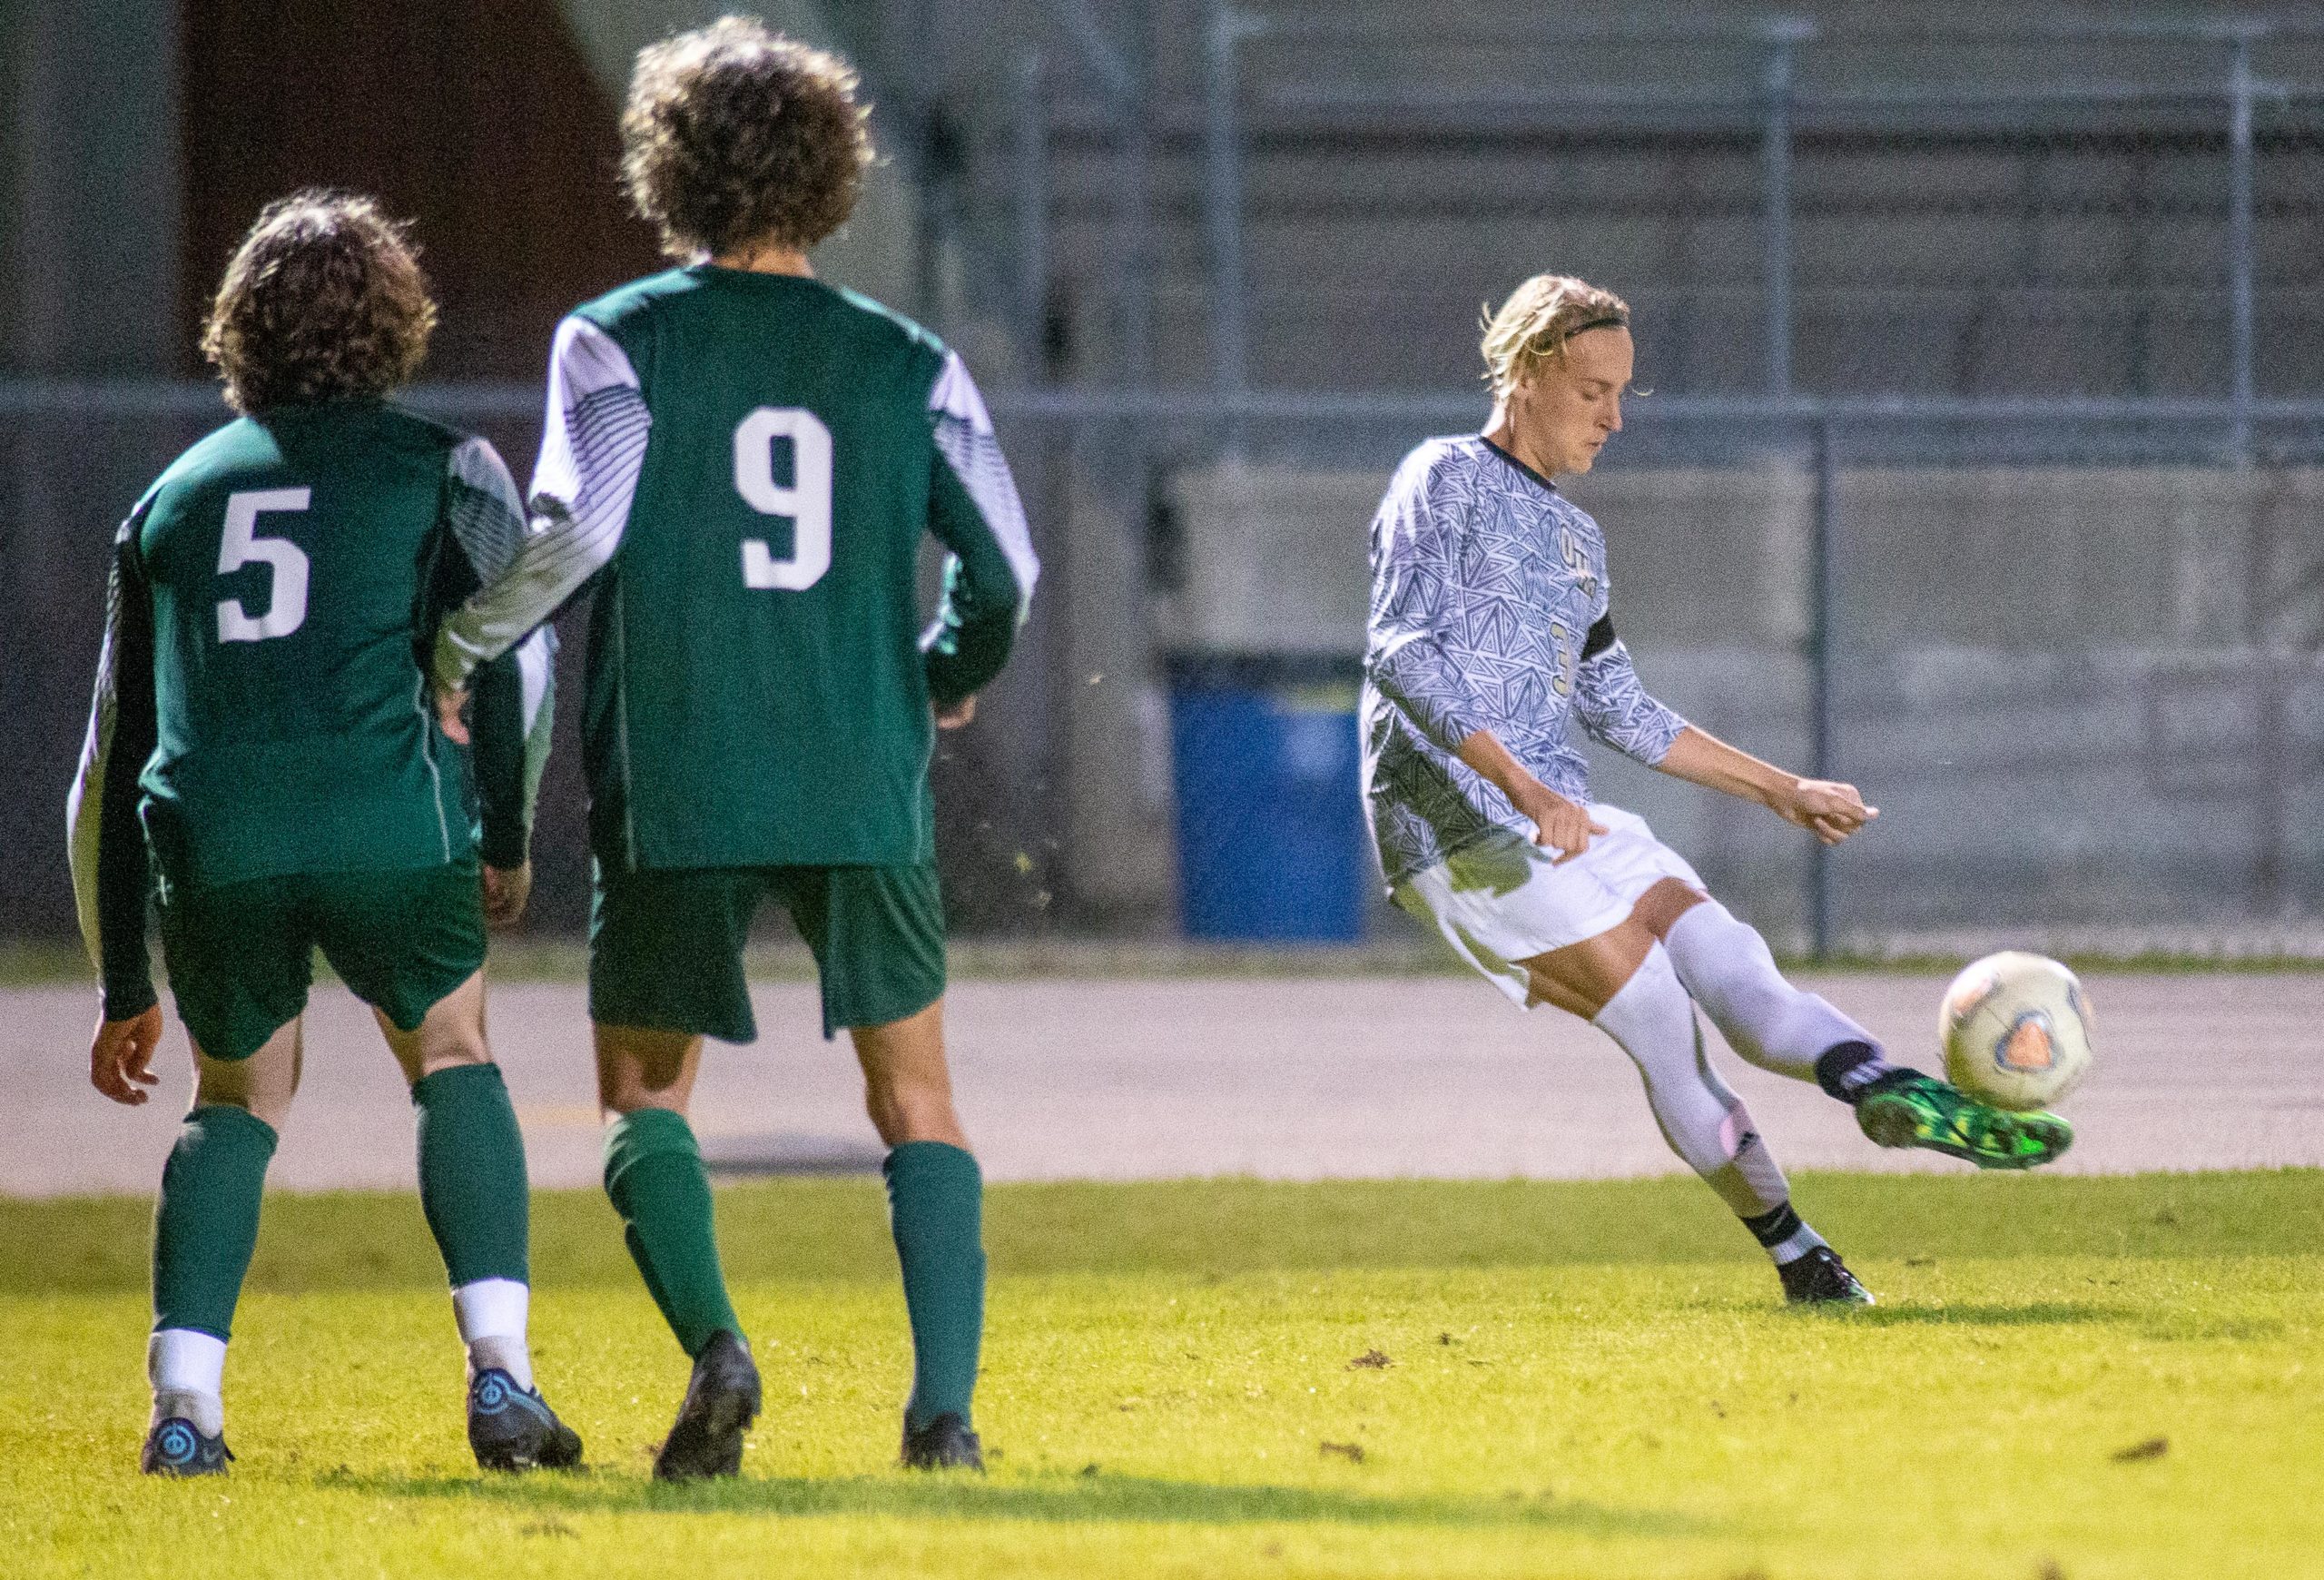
x=111, y=879
x=514, y=694
x=1829, y=810
x=593, y=447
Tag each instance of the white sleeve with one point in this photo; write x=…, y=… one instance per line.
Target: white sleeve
x=593, y=447
x=964, y=437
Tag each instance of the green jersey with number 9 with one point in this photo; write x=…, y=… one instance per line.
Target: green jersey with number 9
x=745, y=465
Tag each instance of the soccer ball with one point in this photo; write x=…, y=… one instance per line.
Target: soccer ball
x=2016, y=1031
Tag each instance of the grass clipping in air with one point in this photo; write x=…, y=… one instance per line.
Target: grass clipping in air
x=2073, y=1377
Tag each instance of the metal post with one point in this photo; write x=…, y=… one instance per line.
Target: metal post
x=1820, y=733
x=2240, y=262
x=1032, y=181
x=1136, y=209
x=1783, y=35
x=1223, y=211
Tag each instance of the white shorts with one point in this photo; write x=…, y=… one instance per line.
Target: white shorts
x=1500, y=901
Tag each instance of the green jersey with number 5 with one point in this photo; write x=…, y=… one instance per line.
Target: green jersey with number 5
x=745, y=465
x=262, y=705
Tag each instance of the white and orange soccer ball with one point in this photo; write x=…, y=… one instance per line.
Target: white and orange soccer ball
x=2016, y=1031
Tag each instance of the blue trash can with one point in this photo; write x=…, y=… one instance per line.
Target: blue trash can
x=1271, y=840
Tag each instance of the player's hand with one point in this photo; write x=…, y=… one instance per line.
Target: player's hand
x=505, y=890
x=452, y=707
x=1558, y=823
x=120, y=1056
x=1828, y=809
x=957, y=716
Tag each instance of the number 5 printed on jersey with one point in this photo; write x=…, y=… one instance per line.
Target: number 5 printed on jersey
x=807, y=501
x=285, y=606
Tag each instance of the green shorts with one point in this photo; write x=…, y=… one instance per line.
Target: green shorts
x=665, y=945
x=240, y=956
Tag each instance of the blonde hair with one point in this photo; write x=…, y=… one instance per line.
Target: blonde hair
x=1535, y=324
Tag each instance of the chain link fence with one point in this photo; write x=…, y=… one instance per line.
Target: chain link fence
x=1980, y=465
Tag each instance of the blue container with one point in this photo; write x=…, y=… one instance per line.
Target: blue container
x=1270, y=838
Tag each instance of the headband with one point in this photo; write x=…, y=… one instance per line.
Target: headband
x=1612, y=321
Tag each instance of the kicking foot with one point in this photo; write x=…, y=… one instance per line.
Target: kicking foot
x=721, y=1401
x=178, y=1447
x=944, y=1443
x=1821, y=1279
x=1906, y=1109
x=513, y=1428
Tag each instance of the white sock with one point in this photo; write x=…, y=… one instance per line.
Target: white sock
x=188, y=1371
x=491, y=1314
x=1726, y=967
x=1702, y=1119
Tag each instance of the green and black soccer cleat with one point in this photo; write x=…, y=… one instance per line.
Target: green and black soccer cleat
x=1906, y=1109
x=513, y=1428
x=1821, y=1279
x=178, y=1447
x=721, y=1401
x=944, y=1443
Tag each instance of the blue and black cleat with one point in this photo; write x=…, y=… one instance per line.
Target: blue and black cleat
x=513, y=1428
x=178, y=1447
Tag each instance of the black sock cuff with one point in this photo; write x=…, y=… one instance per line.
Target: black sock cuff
x=1838, y=1064
x=1775, y=1227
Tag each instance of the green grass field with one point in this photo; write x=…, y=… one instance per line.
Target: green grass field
x=2067, y=1377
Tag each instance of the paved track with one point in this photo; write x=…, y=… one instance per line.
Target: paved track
x=1292, y=1078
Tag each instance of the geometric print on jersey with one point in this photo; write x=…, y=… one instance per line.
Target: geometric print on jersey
x=1485, y=582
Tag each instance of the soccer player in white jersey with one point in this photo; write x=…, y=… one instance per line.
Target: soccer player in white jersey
x=1490, y=639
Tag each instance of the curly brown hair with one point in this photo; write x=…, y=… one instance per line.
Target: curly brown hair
x=324, y=300
x=735, y=135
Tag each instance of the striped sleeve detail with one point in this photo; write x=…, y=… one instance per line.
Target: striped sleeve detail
x=593, y=447
x=965, y=438
x=483, y=510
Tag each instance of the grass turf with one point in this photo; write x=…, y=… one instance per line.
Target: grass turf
x=1585, y=1379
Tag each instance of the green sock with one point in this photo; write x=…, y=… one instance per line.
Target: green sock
x=205, y=1224
x=472, y=1172
x=936, y=1209
x=654, y=1175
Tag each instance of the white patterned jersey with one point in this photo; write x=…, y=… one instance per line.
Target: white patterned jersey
x=1489, y=612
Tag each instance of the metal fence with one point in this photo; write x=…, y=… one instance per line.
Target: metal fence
x=1984, y=463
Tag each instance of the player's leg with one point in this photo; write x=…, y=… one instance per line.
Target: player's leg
x=411, y=944
x=1729, y=968
x=1729, y=971
x=1622, y=981
x=878, y=936
x=238, y=958
x=666, y=969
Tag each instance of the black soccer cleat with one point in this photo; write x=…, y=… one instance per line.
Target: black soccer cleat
x=513, y=1428
x=178, y=1447
x=944, y=1443
x=1821, y=1279
x=721, y=1401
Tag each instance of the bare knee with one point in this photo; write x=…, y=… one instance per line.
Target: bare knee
x=907, y=1083
x=1582, y=978
x=261, y=1085
x=639, y=1066
x=1658, y=909
x=450, y=1034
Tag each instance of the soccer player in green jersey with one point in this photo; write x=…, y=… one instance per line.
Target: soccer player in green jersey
x=261, y=757
x=744, y=462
